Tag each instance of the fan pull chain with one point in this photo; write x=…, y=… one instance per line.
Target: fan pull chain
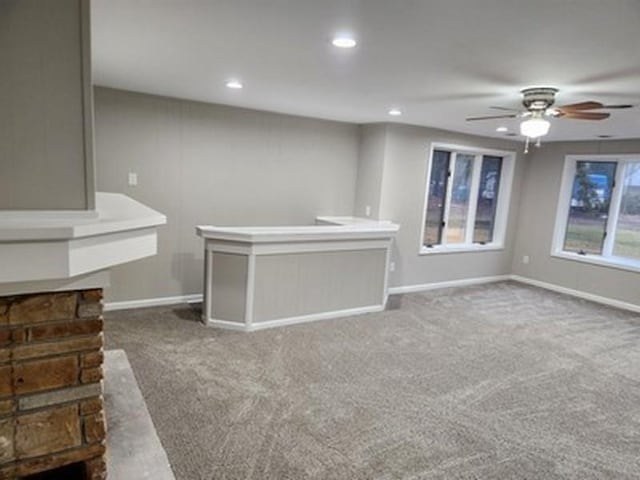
x=526, y=145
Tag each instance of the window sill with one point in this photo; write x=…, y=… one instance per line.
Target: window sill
x=611, y=262
x=442, y=249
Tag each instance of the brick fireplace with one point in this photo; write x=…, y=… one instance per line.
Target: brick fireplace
x=51, y=408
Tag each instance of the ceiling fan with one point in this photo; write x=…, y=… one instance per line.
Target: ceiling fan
x=538, y=103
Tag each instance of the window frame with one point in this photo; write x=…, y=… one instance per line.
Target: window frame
x=502, y=208
x=564, y=205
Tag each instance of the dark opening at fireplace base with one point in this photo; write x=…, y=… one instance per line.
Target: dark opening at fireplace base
x=75, y=471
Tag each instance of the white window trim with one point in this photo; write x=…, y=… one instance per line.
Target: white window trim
x=562, y=214
x=502, y=210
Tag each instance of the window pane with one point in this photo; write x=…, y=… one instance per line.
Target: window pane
x=589, y=207
x=487, y=199
x=459, y=207
x=437, y=195
x=627, y=240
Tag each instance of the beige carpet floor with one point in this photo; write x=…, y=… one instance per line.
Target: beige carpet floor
x=500, y=381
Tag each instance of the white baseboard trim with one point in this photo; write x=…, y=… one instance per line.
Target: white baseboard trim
x=152, y=302
x=281, y=322
x=226, y=325
x=578, y=293
x=465, y=282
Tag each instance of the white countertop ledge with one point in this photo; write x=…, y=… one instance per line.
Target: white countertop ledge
x=40, y=249
x=114, y=213
x=328, y=228
x=344, y=220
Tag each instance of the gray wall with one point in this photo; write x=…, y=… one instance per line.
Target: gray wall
x=401, y=194
x=45, y=106
x=210, y=164
x=373, y=139
x=540, y=198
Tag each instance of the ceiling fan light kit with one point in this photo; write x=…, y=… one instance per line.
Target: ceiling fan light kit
x=534, y=127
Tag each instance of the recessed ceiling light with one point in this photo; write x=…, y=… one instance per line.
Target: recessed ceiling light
x=344, y=41
x=235, y=84
x=502, y=129
x=395, y=112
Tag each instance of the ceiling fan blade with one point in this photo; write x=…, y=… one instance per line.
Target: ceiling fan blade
x=584, y=115
x=623, y=105
x=581, y=106
x=506, y=109
x=470, y=119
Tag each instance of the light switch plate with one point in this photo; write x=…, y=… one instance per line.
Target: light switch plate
x=133, y=179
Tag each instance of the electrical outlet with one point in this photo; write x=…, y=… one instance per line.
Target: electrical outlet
x=367, y=210
x=526, y=259
x=133, y=179
x=392, y=266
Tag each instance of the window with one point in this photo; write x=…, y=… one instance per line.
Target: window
x=466, y=199
x=599, y=213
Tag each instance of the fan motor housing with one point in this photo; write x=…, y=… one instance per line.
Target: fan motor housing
x=538, y=98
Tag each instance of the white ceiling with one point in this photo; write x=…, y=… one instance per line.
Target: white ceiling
x=439, y=61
